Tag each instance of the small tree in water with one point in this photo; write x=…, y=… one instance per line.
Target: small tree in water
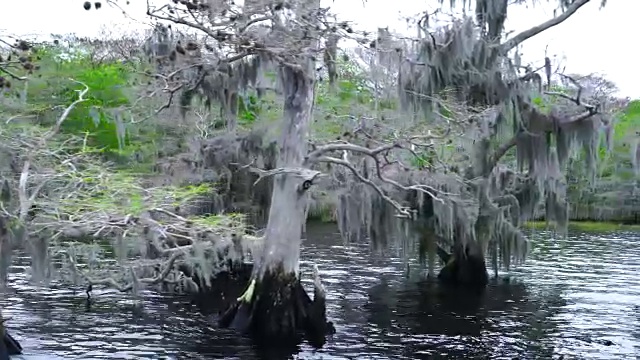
x=474, y=190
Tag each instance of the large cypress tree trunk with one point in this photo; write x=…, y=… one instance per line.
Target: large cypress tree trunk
x=465, y=266
x=275, y=306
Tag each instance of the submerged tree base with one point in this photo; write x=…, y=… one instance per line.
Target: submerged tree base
x=463, y=267
x=276, y=309
x=8, y=346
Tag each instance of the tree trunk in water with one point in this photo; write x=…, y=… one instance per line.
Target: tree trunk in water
x=8, y=345
x=275, y=306
x=465, y=266
x=6, y=250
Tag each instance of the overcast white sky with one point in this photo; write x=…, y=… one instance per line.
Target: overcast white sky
x=592, y=40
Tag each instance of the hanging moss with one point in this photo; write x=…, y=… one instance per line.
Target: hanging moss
x=486, y=203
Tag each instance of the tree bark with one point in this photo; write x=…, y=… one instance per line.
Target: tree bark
x=275, y=306
x=289, y=199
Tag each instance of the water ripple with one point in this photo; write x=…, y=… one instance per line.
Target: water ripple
x=578, y=298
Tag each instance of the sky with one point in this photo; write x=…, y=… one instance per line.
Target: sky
x=590, y=41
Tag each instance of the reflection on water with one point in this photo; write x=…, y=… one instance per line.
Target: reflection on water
x=574, y=299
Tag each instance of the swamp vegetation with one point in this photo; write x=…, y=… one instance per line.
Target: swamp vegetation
x=201, y=149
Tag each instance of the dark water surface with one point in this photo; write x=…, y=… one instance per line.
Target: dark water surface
x=574, y=299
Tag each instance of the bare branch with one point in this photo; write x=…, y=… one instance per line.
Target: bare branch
x=521, y=37
x=373, y=153
x=168, y=267
x=308, y=176
x=67, y=111
x=402, y=211
x=499, y=153
x=4, y=69
x=26, y=200
x=319, y=151
x=576, y=100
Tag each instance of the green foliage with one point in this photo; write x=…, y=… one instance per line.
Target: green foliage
x=236, y=219
x=249, y=109
x=121, y=192
x=351, y=88
x=103, y=120
x=628, y=122
x=424, y=159
x=546, y=103
x=101, y=116
x=626, y=128
x=615, y=170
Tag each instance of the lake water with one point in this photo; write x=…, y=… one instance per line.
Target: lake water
x=577, y=298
